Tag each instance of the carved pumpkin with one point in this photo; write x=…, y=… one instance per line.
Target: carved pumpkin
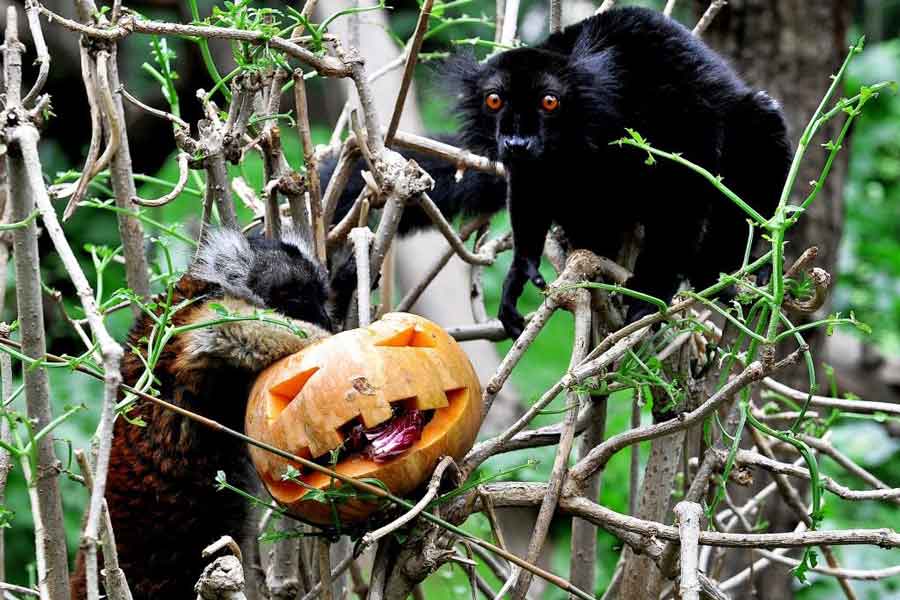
x=314, y=401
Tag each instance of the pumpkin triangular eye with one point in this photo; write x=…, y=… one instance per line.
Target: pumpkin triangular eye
x=282, y=393
x=410, y=337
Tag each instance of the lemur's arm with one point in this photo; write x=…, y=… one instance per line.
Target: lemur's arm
x=249, y=345
x=530, y=224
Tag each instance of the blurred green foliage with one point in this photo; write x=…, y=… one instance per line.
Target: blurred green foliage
x=870, y=260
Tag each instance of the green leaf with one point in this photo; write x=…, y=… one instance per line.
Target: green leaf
x=219, y=309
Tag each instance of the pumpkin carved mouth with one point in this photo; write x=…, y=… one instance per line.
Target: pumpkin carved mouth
x=392, y=398
x=389, y=439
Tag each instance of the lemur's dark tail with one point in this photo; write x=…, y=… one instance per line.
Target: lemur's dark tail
x=475, y=194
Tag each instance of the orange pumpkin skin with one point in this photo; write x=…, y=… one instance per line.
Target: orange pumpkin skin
x=301, y=402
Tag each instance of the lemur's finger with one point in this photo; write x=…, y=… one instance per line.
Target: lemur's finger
x=535, y=276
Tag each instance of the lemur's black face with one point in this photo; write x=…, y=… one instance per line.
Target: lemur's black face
x=525, y=94
x=277, y=274
x=288, y=281
x=528, y=104
x=515, y=106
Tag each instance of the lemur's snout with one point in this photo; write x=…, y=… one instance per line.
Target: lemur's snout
x=514, y=147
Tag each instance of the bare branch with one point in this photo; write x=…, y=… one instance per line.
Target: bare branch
x=21, y=161
x=40, y=48
x=342, y=171
x=607, y=4
x=452, y=154
x=531, y=494
x=703, y=24
x=327, y=66
x=670, y=6
x=373, y=536
x=122, y=179
x=434, y=213
x=362, y=238
x=582, y=310
x=183, y=173
x=555, y=16
x=174, y=119
x=324, y=555
x=752, y=459
x=689, y=514
x=510, y=22
x=854, y=406
x=312, y=168
x=116, y=586
x=412, y=56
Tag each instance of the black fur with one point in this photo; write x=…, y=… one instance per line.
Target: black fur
x=279, y=274
x=626, y=68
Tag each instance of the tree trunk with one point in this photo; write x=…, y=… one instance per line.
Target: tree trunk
x=789, y=48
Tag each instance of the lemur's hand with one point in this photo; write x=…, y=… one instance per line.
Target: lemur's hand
x=532, y=270
x=512, y=319
x=521, y=270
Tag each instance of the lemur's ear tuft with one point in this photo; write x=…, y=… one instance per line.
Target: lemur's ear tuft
x=226, y=259
x=292, y=236
x=459, y=73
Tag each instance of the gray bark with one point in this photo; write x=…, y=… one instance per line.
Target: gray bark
x=49, y=527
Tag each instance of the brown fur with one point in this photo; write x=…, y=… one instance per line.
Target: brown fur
x=160, y=489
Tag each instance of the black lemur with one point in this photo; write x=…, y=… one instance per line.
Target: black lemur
x=549, y=114
x=161, y=487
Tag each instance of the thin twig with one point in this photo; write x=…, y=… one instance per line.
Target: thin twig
x=607, y=4
x=183, y=172
x=555, y=16
x=324, y=554
x=327, y=66
x=854, y=406
x=40, y=48
x=413, y=295
x=703, y=24
x=116, y=585
x=174, y=119
x=346, y=563
x=314, y=187
x=89, y=75
x=373, y=536
x=412, y=56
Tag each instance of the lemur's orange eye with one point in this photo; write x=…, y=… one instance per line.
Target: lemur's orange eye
x=549, y=102
x=493, y=101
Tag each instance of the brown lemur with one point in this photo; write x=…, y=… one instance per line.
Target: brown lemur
x=161, y=486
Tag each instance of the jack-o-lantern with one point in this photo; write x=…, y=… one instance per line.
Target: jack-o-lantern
x=391, y=398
